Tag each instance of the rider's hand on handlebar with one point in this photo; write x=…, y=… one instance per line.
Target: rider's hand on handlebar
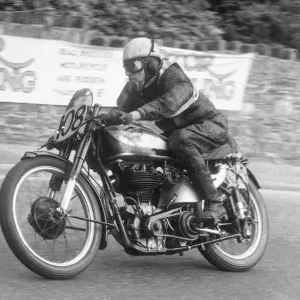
x=117, y=117
x=125, y=118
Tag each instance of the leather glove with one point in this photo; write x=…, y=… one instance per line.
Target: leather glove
x=125, y=118
x=111, y=118
x=117, y=117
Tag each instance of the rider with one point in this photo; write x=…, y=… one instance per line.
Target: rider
x=189, y=119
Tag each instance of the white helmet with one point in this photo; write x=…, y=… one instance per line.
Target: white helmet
x=141, y=47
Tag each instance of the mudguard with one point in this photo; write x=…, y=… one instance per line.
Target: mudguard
x=253, y=178
x=34, y=154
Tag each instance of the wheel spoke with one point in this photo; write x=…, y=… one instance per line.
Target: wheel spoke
x=73, y=198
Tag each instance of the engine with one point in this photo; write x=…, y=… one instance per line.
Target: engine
x=141, y=181
x=141, y=185
x=160, y=203
x=156, y=229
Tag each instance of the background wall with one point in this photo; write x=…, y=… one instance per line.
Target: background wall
x=268, y=126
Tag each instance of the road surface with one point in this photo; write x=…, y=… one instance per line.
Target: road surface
x=115, y=275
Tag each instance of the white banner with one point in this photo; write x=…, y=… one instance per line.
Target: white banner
x=50, y=72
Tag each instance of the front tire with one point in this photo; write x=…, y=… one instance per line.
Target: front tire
x=218, y=255
x=51, y=253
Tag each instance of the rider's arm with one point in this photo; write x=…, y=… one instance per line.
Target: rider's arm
x=128, y=100
x=177, y=90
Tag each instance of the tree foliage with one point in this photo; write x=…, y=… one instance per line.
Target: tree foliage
x=257, y=21
x=270, y=22
x=158, y=18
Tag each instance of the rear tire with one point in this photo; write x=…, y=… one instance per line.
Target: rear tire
x=244, y=261
x=15, y=234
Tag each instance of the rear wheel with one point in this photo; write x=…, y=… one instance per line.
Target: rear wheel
x=49, y=244
x=236, y=255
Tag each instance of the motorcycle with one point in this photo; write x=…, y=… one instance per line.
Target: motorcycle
x=57, y=209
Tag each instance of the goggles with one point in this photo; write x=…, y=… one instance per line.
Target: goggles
x=133, y=66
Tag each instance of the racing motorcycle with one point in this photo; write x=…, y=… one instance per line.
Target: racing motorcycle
x=58, y=207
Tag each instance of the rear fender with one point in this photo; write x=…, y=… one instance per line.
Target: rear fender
x=35, y=154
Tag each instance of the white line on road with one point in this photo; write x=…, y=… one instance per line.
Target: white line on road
x=6, y=166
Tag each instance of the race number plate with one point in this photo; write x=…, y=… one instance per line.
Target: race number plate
x=71, y=122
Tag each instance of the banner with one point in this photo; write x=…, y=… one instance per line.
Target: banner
x=221, y=77
x=50, y=72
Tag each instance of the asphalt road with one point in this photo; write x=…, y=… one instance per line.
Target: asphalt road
x=115, y=275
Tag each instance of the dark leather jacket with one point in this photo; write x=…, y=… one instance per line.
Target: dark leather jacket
x=172, y=103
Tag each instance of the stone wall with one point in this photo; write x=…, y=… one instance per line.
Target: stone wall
x=268, y=126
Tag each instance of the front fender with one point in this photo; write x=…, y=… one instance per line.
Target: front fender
x=253, y=178
x=34, y=154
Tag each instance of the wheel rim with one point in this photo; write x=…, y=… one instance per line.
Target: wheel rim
x=247, y=247
x=38, y=246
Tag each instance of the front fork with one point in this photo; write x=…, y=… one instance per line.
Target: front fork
x=78, y=163
x=75, y=171
x=56, y=181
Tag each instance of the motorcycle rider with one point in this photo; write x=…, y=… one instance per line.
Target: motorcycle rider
x=189, y=119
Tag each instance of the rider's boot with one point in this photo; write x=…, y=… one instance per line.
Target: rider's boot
x=213, y=208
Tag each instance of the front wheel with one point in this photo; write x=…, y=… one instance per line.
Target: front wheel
x=236, y=255
x=49, y=244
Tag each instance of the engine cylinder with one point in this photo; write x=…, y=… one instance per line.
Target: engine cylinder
x=140, y=183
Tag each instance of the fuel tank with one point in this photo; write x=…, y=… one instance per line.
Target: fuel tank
x=133, y=142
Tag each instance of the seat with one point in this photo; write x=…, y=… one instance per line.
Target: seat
x=230, y=147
